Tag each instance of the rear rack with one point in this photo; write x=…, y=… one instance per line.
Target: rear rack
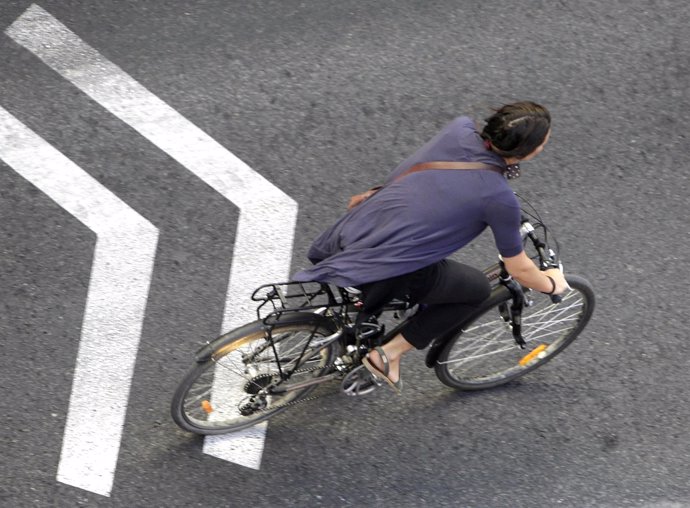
x=289, y=297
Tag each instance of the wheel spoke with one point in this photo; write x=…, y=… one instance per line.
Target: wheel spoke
x=482, y=342
x=486, y=354
x=213, y=399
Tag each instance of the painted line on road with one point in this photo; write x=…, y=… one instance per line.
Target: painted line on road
x=115, y=304
x=265, y=231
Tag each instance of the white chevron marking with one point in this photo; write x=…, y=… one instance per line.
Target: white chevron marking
x=265, y=232
x=115, y=304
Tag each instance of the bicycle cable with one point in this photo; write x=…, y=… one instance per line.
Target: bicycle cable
x=534, y=214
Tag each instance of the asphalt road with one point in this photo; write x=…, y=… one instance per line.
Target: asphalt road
x=322, y=99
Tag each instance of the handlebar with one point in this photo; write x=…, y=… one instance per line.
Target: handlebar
x=556, y=298
x=548, y=259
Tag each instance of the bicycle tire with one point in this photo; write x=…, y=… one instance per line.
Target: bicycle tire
x=209, y=398
x=484, y=353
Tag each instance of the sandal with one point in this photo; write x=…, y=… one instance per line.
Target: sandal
x=382, y=374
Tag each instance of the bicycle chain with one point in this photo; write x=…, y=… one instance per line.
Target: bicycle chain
x=287, y=404
x=297, y=401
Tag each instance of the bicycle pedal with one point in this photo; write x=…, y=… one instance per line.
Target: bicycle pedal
x=359, y=382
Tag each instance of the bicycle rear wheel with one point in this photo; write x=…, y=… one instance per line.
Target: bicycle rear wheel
x=484, y=354
x=223, y=393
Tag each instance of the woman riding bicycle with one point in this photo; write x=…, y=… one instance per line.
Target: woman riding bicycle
x=394, y=243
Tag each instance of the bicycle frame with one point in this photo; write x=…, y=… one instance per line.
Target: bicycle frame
x=506, y=287
x=279, y=302
x=307, y=334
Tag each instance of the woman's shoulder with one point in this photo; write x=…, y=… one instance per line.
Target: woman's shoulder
x=463, y=130
x=462, y=122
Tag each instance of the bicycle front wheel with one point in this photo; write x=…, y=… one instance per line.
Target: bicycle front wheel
x=484, y=354
x=226, y=392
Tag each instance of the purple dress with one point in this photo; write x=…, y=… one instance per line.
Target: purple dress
x=422, y=218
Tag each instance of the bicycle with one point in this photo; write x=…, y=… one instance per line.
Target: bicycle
x=305, y=335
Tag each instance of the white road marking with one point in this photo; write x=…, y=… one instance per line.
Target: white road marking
x=265, y=231
x=115, y=304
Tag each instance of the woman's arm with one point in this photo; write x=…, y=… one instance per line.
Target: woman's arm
x=526, y=273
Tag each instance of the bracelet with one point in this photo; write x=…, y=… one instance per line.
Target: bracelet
x=553, y=285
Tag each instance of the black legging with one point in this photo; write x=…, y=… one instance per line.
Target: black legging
x=448, y=291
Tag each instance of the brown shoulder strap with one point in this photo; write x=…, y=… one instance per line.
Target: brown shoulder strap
x=424, y=166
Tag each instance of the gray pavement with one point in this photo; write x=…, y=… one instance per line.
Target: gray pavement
x=323, y=99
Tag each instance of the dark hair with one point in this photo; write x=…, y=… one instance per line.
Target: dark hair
x=516, y=130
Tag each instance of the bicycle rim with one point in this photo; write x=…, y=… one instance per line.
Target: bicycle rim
x=485, y=354
x=220, y=395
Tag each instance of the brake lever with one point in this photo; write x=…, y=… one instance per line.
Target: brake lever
x=546, y=261
x=556, y=299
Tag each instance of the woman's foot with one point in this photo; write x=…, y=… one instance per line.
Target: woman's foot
x=380, y=367
x=391, y=370
x=384, y=363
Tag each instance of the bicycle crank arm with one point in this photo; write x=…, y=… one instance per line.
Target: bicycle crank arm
x=304, y=384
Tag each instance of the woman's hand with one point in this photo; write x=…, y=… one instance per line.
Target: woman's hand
x=558, y=278
x=523, y=269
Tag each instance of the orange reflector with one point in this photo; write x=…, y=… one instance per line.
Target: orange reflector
x=206, y=406
x=532, y=355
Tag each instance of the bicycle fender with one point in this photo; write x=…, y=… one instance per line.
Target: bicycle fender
x=204, y=353
x=498, y=294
